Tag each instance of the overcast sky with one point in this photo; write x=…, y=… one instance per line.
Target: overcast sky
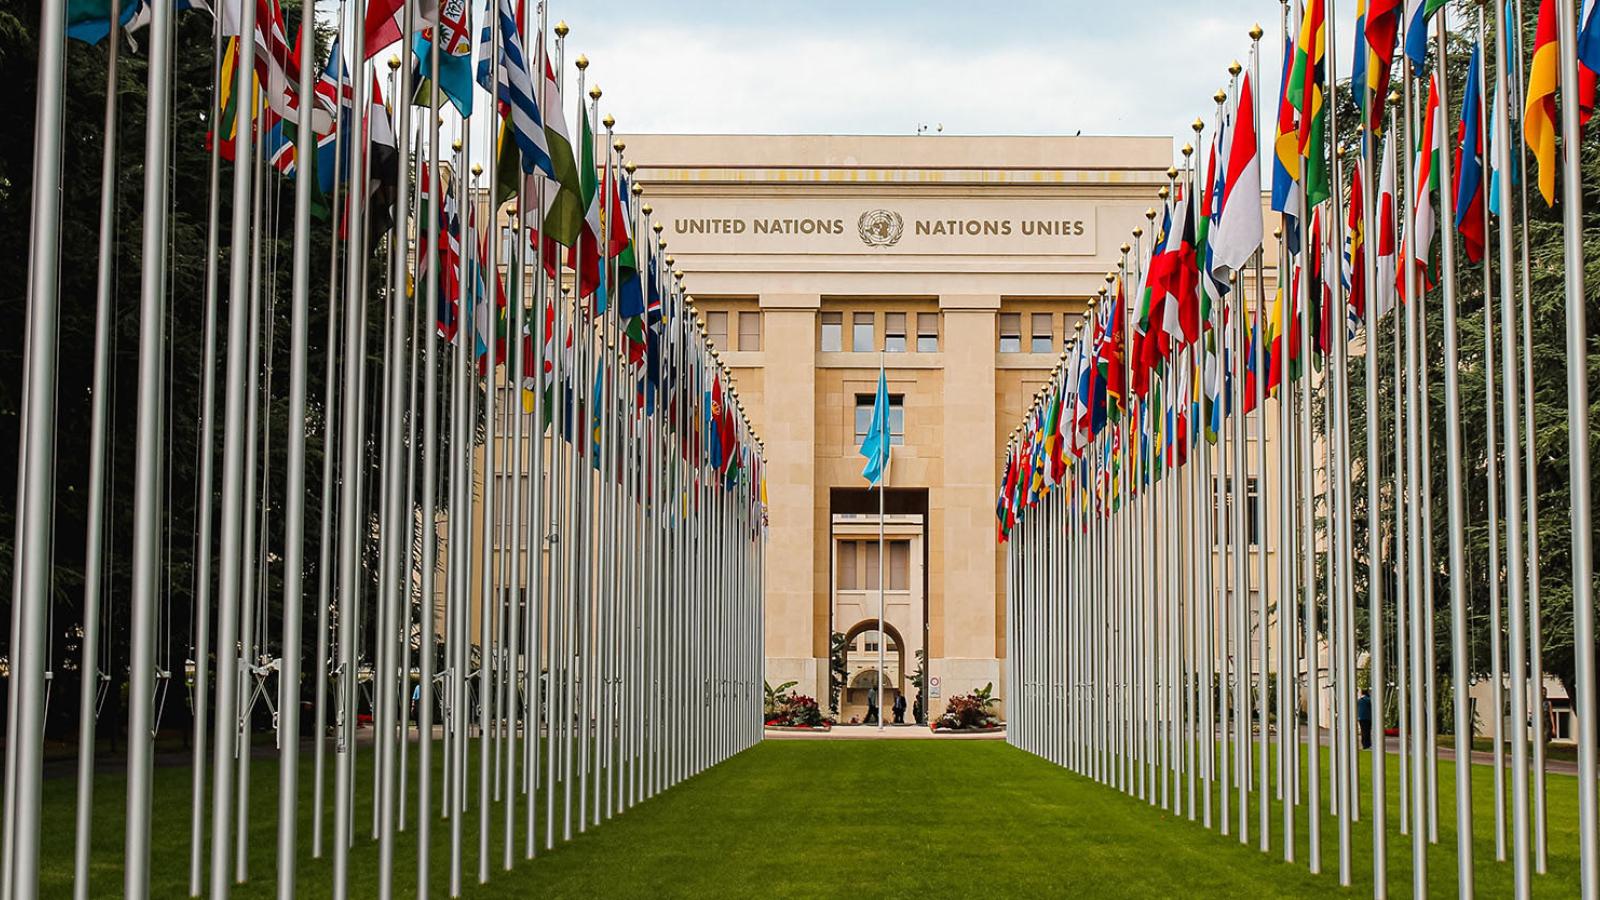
x=886, y=67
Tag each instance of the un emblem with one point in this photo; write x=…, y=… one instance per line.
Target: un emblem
x=880, y=228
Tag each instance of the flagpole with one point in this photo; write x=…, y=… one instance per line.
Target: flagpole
x=1492, y=482
x=1579, y=469
x=233, y=474
x=203, y=505
x=428, y=568
x=1376, y=669
x=89, y=671
x=883, y=476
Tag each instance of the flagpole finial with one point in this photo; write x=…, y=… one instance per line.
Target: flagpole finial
x=562, y=28
x=609, y=121
x=455, y=145
x=1339, y=152
x=1277, y=232
x=1221, y=96
x=1164, y=193
x=656, y=228
x=1394, y=97
x=477, y=169
x=678, y=274
x=1150, y=214
x=1172, y=171
x=1126, y=247
x=1138, y=231
x=394, y=61
x=582, y=62
x=646, y=208
x=1187, y=151
x=670, y=261
x=618, y=144
x=662, y=242
x=638, y=189
x=1111, y=277
x=630, y=167
x=1199, y=125
x=594, y=92
x=1234, y=68
x=1256, y=31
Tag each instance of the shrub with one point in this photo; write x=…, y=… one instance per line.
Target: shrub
x=970, y=711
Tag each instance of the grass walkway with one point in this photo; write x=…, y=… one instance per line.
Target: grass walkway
x=840, y=818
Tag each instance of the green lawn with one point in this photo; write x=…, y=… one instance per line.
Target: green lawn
x=842, y=818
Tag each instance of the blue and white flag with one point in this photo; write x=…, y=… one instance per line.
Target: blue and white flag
x=514, y=86
x=875, y=447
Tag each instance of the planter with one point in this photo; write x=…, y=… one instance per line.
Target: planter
x=987, y=729
x=802, y=728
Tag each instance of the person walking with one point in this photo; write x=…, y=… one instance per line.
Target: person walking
x=899, y=709
x=872, y=707
x=1364, y=718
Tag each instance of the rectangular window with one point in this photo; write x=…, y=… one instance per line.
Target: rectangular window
x=897, y=418
x=928, y=332
x=894, y=332
x=750, y=330
x=832, y=332
x=862, y=339
x=899, y=565
x=870, y=647
x=717, y=329
x=869, y=564
x=848, y=580
x=1010, y=332
x=1252, y=512
x=1041, y=332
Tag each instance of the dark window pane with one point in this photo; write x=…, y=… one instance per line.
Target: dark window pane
x=1010, y=332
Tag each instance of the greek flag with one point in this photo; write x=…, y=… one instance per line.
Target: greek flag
x=514, y=87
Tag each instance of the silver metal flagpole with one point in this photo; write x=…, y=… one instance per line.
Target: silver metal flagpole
x=1376, y=667
x=349, y=490
x=1579, y=468
x=1412, y=309
x=35, y=495
x=294, y=488
x=1492, y=482
x=488, y=602
x=1456, y=502
x=394, y=549
x=230, y=591
x=882, y=483
x=147, y=473
x=428, y=568
x=89, y=670
x=203, y=504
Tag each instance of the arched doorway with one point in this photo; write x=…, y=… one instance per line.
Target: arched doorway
x=861, y=660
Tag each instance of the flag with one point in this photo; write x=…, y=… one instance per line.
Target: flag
x=1539, y=112
x=1386, y=211
x=89, y=21
x=383, y=22
x=455, y=58
x=583, y=255
x=513, y=87
x=1306, y=93
x=564, y=219
x=1382, y=33
x=1418, y=13
x=1355, y=242
x=1239, y=229
x=1427, y=184
x=1469, y=162
x=875, y=447
x=1286, y=153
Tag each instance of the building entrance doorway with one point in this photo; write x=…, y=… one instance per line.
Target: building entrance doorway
x=855, y=569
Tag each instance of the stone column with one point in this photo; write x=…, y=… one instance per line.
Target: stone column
x=790, y=431
x=965, y=653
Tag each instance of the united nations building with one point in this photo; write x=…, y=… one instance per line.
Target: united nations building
x=962, y=266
